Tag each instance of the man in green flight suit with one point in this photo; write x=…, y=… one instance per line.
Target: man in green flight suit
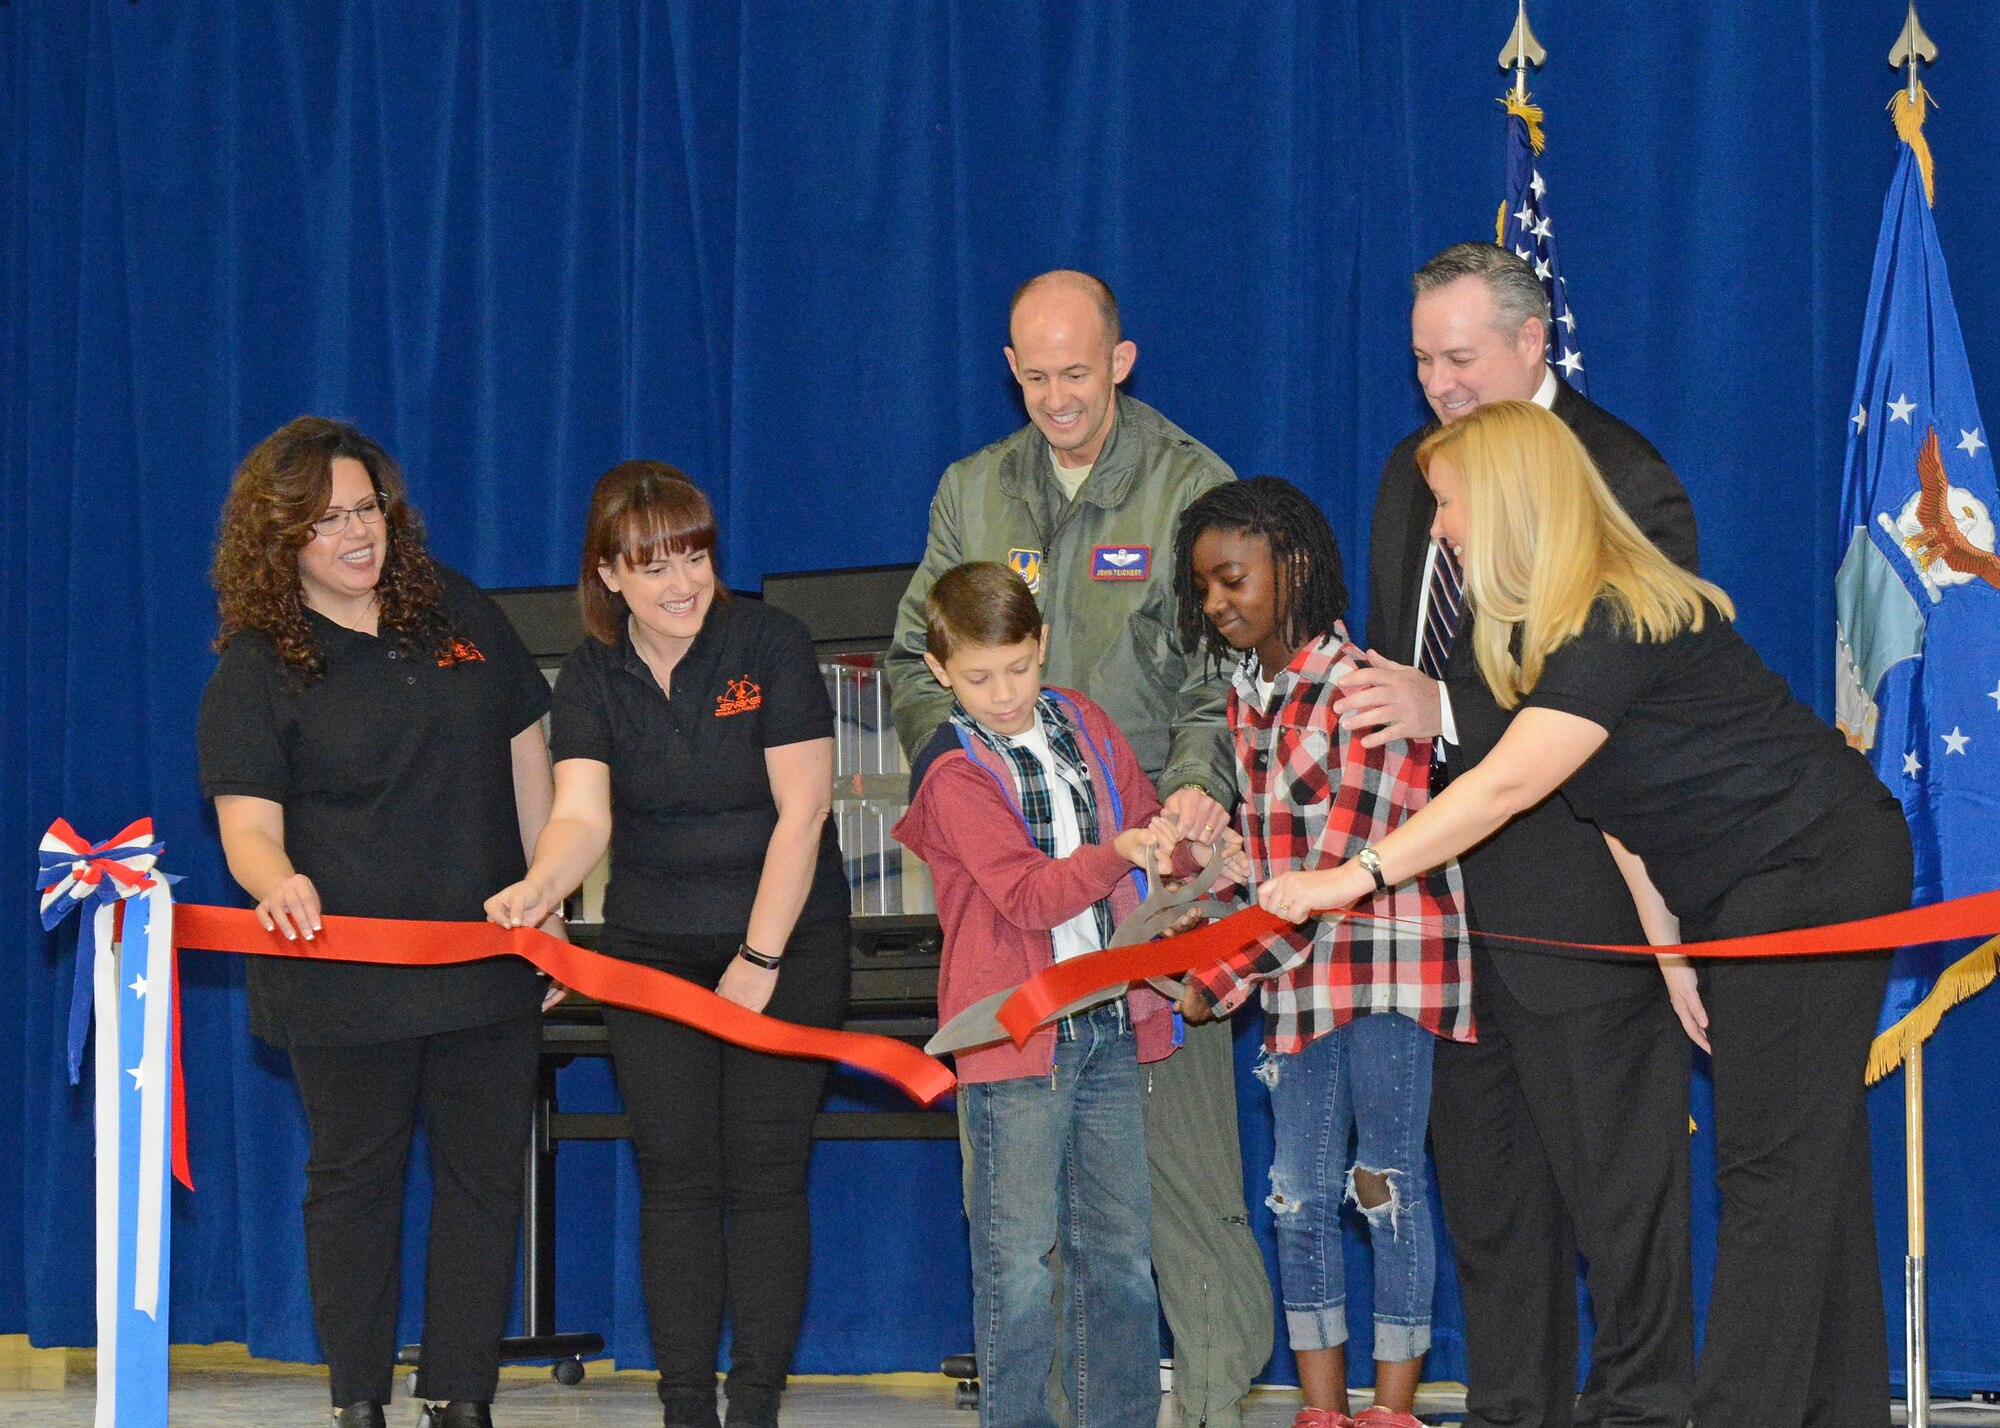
x=1082, y=502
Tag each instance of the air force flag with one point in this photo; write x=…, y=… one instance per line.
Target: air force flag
x=1917, y=660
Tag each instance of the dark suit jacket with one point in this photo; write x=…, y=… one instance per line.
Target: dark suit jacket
x=1546, y=874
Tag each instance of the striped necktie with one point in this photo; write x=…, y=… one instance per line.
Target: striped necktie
x=1447, y=598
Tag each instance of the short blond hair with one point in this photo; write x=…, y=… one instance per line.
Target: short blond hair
x=1545, y=540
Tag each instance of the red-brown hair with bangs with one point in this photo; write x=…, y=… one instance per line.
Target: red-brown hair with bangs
x=639, y=511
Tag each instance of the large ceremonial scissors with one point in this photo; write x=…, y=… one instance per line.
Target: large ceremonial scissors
x=979, y=1024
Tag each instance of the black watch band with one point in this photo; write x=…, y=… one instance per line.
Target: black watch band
x=758, y=959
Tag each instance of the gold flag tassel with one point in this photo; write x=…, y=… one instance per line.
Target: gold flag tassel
x=1968, y=975
x=1531, y=114
x=1907, y=111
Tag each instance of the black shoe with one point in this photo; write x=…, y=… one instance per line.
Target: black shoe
x=751, y=1406
x=684, y=1408
x=459, y=1413
x=365, y=1413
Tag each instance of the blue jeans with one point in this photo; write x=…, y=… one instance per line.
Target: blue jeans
x=1059, y=1167
x=1370, y=1080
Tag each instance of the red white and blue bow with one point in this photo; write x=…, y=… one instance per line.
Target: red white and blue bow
x=75, y=871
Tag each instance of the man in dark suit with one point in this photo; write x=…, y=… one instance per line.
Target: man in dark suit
x=1563, y=1129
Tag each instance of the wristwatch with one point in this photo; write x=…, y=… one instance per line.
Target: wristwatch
x=758, y=959
x=1372, y=861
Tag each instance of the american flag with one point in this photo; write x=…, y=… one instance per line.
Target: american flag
x=1526, y=227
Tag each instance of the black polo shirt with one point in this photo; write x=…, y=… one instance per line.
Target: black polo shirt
x=396, y=777
x=1711, y=765
x=691, y=806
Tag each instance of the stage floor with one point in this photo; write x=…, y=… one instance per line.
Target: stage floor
x=221, y=1384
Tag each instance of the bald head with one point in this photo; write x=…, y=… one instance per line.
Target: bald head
x=1069, y=357
x=1073, y=284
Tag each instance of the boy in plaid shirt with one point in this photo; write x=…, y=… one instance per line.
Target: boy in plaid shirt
x=1350, y=1006
x=1034, y=816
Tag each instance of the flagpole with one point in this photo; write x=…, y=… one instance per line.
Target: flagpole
x=1916, y=1312
x=1913, y=47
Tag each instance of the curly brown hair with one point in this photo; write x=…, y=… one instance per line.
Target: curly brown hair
x=281, y=488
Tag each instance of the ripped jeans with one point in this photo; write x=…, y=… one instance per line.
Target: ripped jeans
x=1369, y=1081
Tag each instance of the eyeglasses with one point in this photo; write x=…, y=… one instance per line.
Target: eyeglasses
x=334, y=522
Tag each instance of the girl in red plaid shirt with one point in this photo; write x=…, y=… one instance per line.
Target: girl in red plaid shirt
x=1350, y=1007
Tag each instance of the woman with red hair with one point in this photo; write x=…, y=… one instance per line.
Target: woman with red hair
x=693, y=736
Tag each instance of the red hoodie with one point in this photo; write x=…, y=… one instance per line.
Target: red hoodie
x=999, y=896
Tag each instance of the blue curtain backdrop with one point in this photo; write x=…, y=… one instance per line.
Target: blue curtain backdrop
x=774, y=244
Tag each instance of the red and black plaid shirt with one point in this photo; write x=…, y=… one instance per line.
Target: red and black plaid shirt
x=1313, y=797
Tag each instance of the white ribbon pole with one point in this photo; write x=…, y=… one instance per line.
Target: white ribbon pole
x=105, y=1080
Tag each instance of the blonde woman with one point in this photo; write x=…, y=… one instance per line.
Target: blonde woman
x=1730, y=809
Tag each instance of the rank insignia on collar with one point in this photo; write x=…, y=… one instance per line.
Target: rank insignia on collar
x=1028, y=565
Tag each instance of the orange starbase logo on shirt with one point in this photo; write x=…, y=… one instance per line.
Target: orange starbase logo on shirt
x=462, y=651
x=740, y=697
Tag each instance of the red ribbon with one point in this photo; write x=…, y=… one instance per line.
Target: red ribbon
x=395, y=942
x=1054, y=988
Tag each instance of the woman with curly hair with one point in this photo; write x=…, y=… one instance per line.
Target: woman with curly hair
x=372, y=740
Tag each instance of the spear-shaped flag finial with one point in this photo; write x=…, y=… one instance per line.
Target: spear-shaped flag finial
x=1523, y=49
x=1911, y=46
x=1914, y=47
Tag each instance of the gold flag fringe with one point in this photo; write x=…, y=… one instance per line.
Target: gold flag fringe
x=1500, y=224
x=1532, y=115
x=1908, y=115
x=1968, y=975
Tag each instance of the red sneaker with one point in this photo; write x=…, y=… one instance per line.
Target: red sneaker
x=1377, y=1416
x=1321, y=1418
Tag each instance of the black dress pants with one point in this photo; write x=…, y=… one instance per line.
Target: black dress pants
x=476, y=1089
x=723, y=1137
x=1796, y=1333
x=1556, y=1133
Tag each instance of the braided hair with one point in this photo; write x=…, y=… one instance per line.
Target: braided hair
x=1305, y=558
